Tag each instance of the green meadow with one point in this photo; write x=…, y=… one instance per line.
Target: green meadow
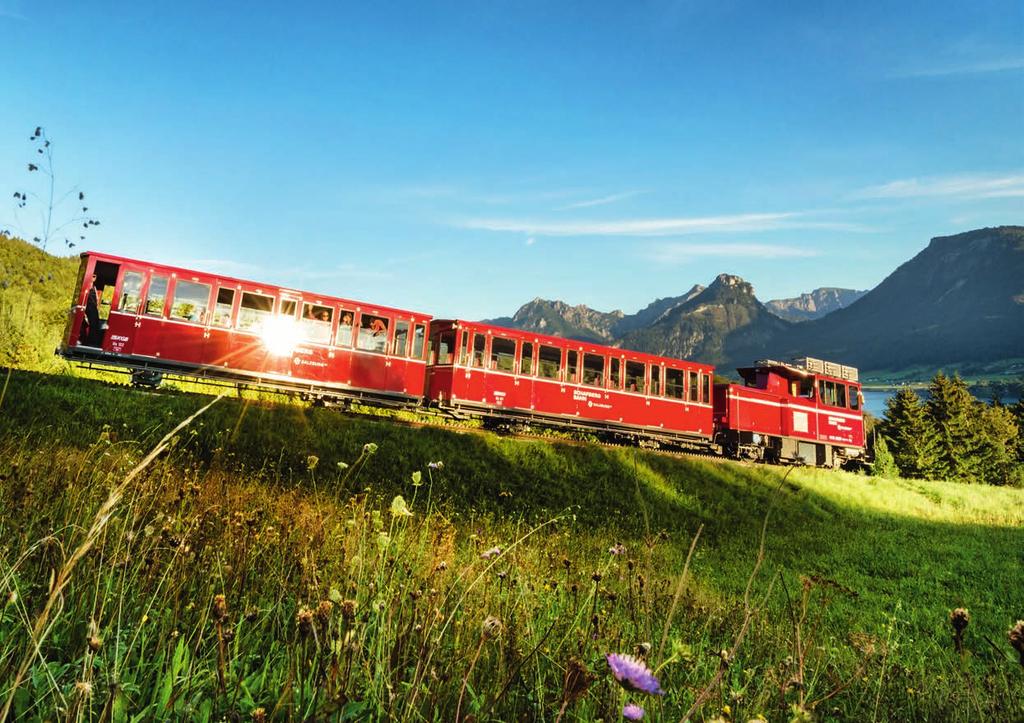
x=270, y=561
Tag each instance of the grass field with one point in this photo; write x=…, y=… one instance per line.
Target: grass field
x=261, y=566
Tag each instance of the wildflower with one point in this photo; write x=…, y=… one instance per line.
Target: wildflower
x=491, y=627
x=959, y=619
x=12, y=597
x=633, y=673
x=488, y=554
x=220, y=608
x=341, y=466
x=631, y=711
x=436, y=465
x=258, y=715
x=348, y=610
x=417, y=479
x=617, y=549
x=1016, y=636
x=83, y=688
x=577, y=680
x=370, y=448
x=311, y=462
x=383, y=540
x=399, y=508
x=323, y=611
x=334, y=595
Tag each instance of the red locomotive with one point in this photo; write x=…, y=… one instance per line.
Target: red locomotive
x=154, y=320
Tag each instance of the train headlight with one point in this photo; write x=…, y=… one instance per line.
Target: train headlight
x=280, y=335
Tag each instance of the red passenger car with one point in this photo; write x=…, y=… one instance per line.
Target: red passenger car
x=510, y=374
x=809, y=412
x=156, y=319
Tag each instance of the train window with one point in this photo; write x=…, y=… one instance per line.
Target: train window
x=464, y=350
x=373, y=333
x=694, y=386
x=344, y=337
x=655, y=380
x=593, y=370
x=549, y=361
x=157, y=295
x=827, y=393
x=841, y=395
x=254, y=310
x=635, y=377
x=225, y=303
x=288, y=307
x=675, y=384
x=705, y=388
x=526, y=363
x=572, y=366
x=503, y=354
x=616, y=375
x=479, y=349
x=443, y=345
x=854, y=397
x=191, y=301
x=316, y=323
x=419, y=335
x=400, y=345
x=131, y=295
x=806, y=387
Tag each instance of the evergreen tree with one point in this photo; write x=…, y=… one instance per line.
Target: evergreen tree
x=884, y=465
x=954, y=415
x=909, y=435
x=999, y=451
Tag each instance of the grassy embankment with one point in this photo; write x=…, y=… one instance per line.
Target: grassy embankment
x=335, y=604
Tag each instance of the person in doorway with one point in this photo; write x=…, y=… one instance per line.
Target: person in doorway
x=92, y=313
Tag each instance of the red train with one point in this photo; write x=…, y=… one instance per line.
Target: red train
x=154, y=320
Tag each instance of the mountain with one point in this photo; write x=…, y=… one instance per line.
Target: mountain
x=814, y=305
x=560, y=319
x=961, y=299
x=654, y=311
x=708, y=326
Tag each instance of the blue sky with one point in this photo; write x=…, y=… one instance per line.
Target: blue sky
x=463, y=158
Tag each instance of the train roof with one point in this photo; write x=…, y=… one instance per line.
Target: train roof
x=806, y=367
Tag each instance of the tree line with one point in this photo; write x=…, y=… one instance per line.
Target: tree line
x=951, y=436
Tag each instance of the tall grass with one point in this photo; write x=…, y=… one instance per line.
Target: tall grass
x=245, y=574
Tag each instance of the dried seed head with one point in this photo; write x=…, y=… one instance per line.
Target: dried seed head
x=95, y=643
x=643, y=650
x=304, y=620
x=258, y=715
x=323, y=611
x=577, y=681
x=220, y=608
x=1016, y=637
x=83, y=688
x=227, y=634
x=491, y=627
x=348, y=610
x=959, y=619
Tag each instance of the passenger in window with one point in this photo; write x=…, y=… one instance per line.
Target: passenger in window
x=323, y=316
x=378, y=327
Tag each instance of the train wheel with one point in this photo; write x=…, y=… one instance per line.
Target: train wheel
x=146, y=378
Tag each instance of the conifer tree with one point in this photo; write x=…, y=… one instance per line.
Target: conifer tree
x=954, y=415
x=909, y=434
x=999, y=451
x=884, y=465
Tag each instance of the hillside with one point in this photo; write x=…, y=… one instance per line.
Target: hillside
x=248, y=566
x=961, y=299
x=813, y=305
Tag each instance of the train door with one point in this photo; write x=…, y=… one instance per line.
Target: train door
x=281, y=337
x=252, y=328
x=123, y=321
x=398, y=357
x=369, y=369
x=217, y=351
x=188, y=311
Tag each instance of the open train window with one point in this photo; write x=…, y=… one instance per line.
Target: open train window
x=549, y=362
x=373, y=333
x=675, y=384
x=841, y=395
x=254, y=311
x=288, y=307
x=705, y=388
x=694, y=386
x=655, y=380
x=419, y=335
x=443, y=345
x=157, y=295
x=503, y=354
x=526, y=363
x=854, y=397
x=344, y=337
x=806, y=387
x=400, y=344
x=464, y=349
x=616, y=373
x=593, y=370
x=479, y=347
x=635, y=377
x=225, y=305
x=131, y=293
x=315, y=325
x=191, y=301
x=572, y=364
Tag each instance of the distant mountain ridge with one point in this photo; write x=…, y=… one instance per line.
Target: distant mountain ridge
x=813, y=305
x=961, y=299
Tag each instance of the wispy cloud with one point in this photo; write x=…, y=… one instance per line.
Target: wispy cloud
x=748, y=222
x=603, y=201
x=675, y=253
x=997, y=65
x=952, y=186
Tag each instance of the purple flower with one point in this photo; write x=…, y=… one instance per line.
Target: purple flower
x=633, y=673
x=618, y=549
x=632, y=712
x=436, y=465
